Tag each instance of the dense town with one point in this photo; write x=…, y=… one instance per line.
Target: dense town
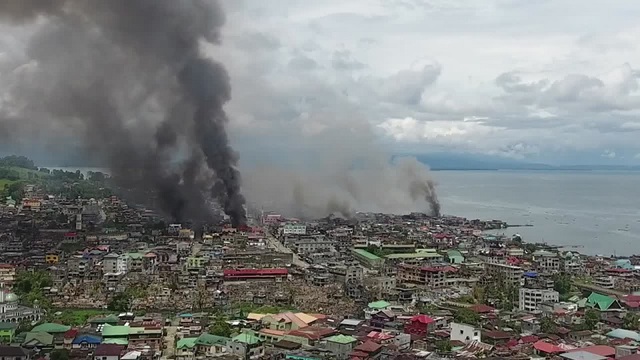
x=86, y=275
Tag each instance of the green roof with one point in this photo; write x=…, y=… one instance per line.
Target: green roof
x=115, y=340
x=186, y=343
x=209, y=339
x=366, y=254
x=602, y=302
x=342, y=339
x=134, y=255
x=115, y=331
x=111, y=319
x=40, y=337
x=51, y=328
x=8, y=326
x=246, y=338
x=419, y=255
x=381, y=304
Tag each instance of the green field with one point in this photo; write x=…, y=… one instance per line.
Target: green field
x=5, y=182
x=74, y=317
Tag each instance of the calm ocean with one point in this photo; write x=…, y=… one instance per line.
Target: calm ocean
x=599, y=211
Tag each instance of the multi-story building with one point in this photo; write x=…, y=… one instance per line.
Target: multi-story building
x=465, y=333
x=294, y=229
x=110, y=263
x=122, y=263
x=509, y=273
x=434, y=277
x=606, y=282
x=530, y=299
x=306, y=246
x=7, y=274
x=547, y=262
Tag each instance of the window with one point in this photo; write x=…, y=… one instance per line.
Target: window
x=461, y=332
x=475, y=333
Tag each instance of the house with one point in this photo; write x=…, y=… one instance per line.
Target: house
x=211, y=345
x=375, y=307
x=287, y=321
x=247, y=346
x=340, y=345
x=186, y=348
x=13, y=353
x=86, y=342
x=420, y=325
x=602, y=302
x=108, y=352
x=366, y=350
x=7, y=332
x=38, y=341
x=381, y=318
x=465, y=333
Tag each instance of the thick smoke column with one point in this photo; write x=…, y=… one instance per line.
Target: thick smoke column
x=128, y=77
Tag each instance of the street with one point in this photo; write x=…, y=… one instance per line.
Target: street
x=276, y=245
x=170, y=342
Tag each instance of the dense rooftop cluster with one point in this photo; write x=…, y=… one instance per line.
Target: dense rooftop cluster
x=98, y=278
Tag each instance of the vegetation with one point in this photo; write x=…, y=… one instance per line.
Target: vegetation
x=18, y=161
x=123, y=302
x=547, y=325
x=220, y=328
x=591, y=319
x=29, y=287
x=466, y=316
x=562, y=283
x=630, y=321
x=74, y=317
x=443, y=346
x=59, y=354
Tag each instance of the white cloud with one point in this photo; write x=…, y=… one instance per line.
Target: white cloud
x=521, y=80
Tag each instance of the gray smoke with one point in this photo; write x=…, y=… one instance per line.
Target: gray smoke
x=341, y=170
x=128, y=78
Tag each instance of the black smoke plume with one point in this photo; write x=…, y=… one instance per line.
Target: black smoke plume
x=128, y=77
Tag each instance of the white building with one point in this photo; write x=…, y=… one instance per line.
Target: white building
x=122, y=264
x=531, y=298
x=465, y=333
x=294, y=229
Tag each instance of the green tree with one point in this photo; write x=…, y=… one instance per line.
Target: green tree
x=630, y=321
x=443, y=346
x=547, y=325
x=591, y=319
x=220, y=328
x=120, y=302
x=562, y=283
x=59, y=354
x=466, y=316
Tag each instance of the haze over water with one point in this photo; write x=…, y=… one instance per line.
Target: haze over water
x=598, y=210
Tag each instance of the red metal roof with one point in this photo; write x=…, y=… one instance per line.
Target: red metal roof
x=368, y=347
x=482, y=308
x=255, y=272
x=602, y=350
x=547, y=348
x=423, y=319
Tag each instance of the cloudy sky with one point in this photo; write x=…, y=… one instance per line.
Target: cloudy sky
x=551, y=81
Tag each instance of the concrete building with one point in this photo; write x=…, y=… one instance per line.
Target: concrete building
x=367, y=259
x=110, y=263
x=12, y=312
x=530, y=299
x=465, y=333
x=433, y=277
x=294, y=229
x=510, y=274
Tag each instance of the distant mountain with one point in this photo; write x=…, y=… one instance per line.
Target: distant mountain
x=452, y=161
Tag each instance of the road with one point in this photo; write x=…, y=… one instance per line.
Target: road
x=276, y=245
x=170, y=342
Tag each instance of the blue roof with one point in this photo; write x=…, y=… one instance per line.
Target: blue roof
x=186, y=315
x=89, y=339
x=622, y=334
x=531, y=274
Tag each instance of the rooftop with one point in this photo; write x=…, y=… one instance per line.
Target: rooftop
x=366, y=254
